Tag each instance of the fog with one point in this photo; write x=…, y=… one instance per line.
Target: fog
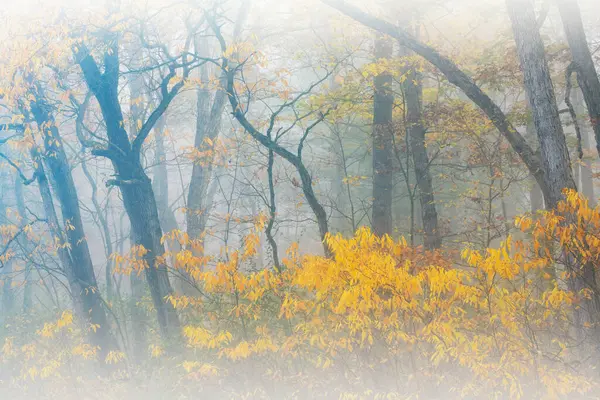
x=299, y=199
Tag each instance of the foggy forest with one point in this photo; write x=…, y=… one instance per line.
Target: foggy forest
x=299, y=199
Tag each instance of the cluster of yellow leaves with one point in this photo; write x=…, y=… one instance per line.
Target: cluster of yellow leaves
x=54, y=350
x=499, y=325
x=134, y=262
x=496, y=323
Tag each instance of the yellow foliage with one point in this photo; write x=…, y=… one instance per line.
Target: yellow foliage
x=496, y=323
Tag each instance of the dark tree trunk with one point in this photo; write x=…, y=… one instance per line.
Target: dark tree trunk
x=86, y=298
x=272, y=212
x=134, y=183
x=383, y=129
x=553, y=147
x=413, y=93
x=584, y=64
x=83, y=279
x=139, y=319
x=140, y=205
x=540, y=92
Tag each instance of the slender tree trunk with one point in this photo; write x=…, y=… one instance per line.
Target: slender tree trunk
x=272, y=212
x=102, y=224
x=140, y=205
x=182, y=281
x=208, y=125
x=383, y=129
x=139, y=320
x=25, y=245
x=413, y=93
x=586, y=172
x=160, y=184
x=587, y=77
x=6, y=271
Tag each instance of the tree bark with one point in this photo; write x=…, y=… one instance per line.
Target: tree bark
x=554, y=150
x=413, y=93
x=540, y=92
x=383, y=129
x=536, y=197
x=587, y=76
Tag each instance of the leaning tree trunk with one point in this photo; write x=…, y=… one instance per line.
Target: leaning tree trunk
x=413, y=92
x=83, y=279
x=584, y=64
x=383, y=129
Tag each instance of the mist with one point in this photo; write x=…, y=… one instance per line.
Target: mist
x=280, y=199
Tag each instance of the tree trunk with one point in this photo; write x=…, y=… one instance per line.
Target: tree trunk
x=536, y=197
x=383, y=129
x=584, y=64
x=553, y=147
x=208, y=124
x=413, y=92
x=586, y=171
x=102, y=225
x=6, y=270
x=160, y=185
x=25, y=245
x=83, y=279
x=540, y=92
x=131, y=178
x=168, y=221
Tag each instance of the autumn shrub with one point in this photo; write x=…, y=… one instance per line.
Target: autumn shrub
x=378, y=320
